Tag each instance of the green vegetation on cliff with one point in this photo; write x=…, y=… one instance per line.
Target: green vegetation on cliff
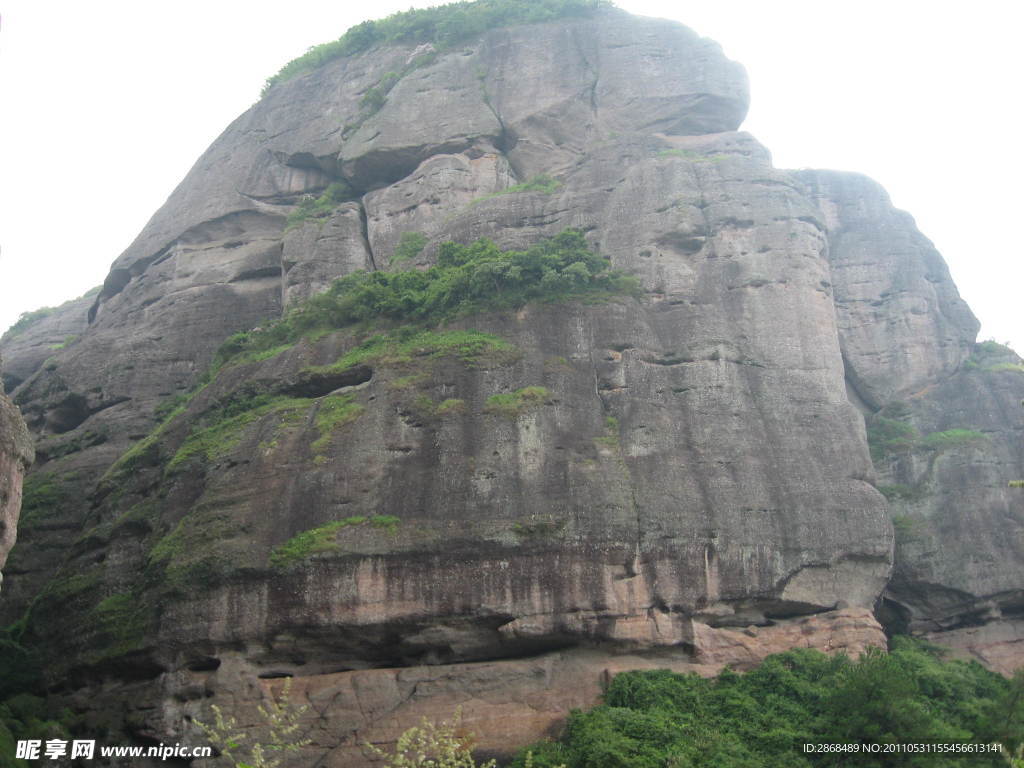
x=223, y=428
x=442, y=26
x=543, y=183
x=27, y=319
x=992, y=357
x=467, y=279
x=891, y=433
x=406, y=345
x=409, y=247
x=43, y=495
x=324, y=539
x=511, y=404
x=27, y=717
x=763, y=718
x=332, y=412
x=951, y=438
x=319, y=207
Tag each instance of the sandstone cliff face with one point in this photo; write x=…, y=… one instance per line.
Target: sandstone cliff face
x=902, y=323
x=693, y=487
x=16, y=455
x=911, y=364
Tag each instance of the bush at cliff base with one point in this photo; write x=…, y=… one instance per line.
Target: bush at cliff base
x=764, y=718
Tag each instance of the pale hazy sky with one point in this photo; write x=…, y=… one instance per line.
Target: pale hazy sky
x=106, y=105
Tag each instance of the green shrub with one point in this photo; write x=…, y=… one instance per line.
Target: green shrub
x=951, y=438
x=409, y=247
x=763, y=718
x=319, y=207
x=888, y=436
x=27, y=319
x=467, y=279
x=374, y=98
x=28, y=717
x=992, y=347
x=264, y=746
x=443, y=26
x=68, y=340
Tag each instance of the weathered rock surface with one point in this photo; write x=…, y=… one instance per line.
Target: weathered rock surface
x=902, y=323
x=693, y=488
x=16, y=455
x=961, y=541
x=907, y=341
x=26, y=350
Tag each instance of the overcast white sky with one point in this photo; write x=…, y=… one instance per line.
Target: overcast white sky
x=106, y=105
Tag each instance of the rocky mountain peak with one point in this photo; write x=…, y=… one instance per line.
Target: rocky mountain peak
x=474, y=373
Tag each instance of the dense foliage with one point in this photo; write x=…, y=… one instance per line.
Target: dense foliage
x=442, y=25
x=466, y=279
x=764, y=718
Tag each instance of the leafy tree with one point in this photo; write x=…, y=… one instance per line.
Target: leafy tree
x=277, y=735
x=432, y=745
x=764, y=718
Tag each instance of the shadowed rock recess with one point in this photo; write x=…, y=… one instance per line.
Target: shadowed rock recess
x=677, y=478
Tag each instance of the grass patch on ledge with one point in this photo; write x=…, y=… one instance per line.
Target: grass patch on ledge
x=410, y=344
x=542, y=183
x=324, y=539
x=333, y=412
x=512, y=404
x=224, y=429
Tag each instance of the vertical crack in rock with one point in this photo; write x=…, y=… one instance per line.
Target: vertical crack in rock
x=593, y=68
x=365, y=232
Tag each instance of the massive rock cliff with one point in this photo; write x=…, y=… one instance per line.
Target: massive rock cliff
x=680, y=477
x=16, y=455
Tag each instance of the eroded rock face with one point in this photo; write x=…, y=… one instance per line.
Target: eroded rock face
x=960, y=543
x=28, y=349
x=911, y=364
x=16, y=455
x=504, y=702
x=902, y=323
x=691, y=487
